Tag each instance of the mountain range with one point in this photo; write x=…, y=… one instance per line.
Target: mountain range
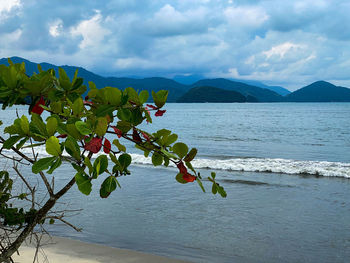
x=205, y=90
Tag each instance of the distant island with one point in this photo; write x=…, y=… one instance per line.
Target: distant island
x=206, y=90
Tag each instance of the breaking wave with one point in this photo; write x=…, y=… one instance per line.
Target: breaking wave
x=283, y=166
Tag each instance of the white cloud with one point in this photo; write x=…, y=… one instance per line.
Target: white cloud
x=6, y=7
x=281, y=50
x=91, y=30
x=56, y=27
x=246, y=16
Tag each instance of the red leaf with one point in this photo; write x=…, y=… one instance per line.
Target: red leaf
x=86, y=102
x=37, y=108
x=135, y=136
x=145, y=135
x=62, y=136
x=94, y=145
x=152, y=107
x=182, y=167
x=189, y=177
x=117, y=131
x=107, y=146
x=160, y=113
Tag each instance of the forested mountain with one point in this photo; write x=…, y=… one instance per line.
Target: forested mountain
x=262, y=95
x=320, y=91
x=208, y=90
x=211, y=94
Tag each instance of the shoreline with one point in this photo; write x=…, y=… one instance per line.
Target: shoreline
x=58, y=249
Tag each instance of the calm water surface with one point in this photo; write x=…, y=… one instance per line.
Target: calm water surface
x=267, y=217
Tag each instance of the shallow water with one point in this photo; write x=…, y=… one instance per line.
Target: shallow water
x=267, y=217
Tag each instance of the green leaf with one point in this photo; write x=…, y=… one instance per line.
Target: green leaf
x=124, y=126
x=103, y=110
x=83, y=128
x=25, y=124
x=163, y=132
x=100, y=165
x=52, y=221
x=73, y=131
x=132, y=95
x=78, y=106
x=221, y=191
x=11, y=141
x=190, y=156
x=83, y=183
x=214, y=189
x=171, y=139
x=200, y=185
x=180, y=149
x=42, y=164
x=56, y=106
x=102, y=125
x=55, y=165
x=143, y=96
x=87, y=162
x=124, y=114
x=51, y=126
x=72, y=147
x=124, y=160
x=38, y=126
x=112, y=95
x=21, y=143
x=168, y=154
x=53, y=146
x=64, y=79
x=160, y=97
x=108, y=186
x=120, y=147
x=180, y=179
x=157, y=159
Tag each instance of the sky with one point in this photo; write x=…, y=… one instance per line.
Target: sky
x=286, y=43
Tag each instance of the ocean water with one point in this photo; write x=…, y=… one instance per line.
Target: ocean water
x=286, y=170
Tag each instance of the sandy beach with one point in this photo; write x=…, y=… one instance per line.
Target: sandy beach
x=71, y=251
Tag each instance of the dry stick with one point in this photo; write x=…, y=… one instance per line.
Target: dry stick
x=32, y=190
x=65, y=222
x=41, y=213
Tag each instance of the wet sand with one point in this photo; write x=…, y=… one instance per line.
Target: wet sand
x=68, y=251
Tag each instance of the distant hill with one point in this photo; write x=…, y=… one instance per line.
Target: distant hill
x=320, y=91
x=278, y=89
x=175, y=89
x=262, y=95
x=211, y=94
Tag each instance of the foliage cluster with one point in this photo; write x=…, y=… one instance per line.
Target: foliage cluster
x=75, y=133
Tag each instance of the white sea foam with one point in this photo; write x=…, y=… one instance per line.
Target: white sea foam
x=320, y=168
x=284, y=166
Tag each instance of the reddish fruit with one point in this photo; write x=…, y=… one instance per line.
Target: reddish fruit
x=107, y=146
x=62, y=136
x=37, y=108
x=94, y=145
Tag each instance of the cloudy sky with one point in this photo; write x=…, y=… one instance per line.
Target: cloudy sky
x=288, y=43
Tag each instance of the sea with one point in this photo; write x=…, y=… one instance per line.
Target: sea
x=285, y=168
